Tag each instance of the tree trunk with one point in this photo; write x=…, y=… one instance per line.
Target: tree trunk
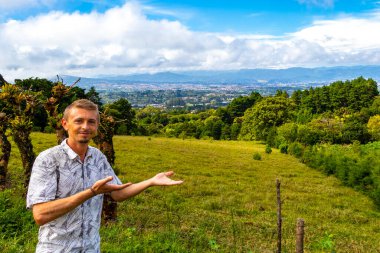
x=109, y=212
x=60, y=134
x=6, y=147
x=22, y=139
x=105, y=143
x=107, y=148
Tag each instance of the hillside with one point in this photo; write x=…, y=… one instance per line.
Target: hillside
x=227, y=203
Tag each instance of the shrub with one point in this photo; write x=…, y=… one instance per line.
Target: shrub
x=257, y=156
x=268, y=149
x=296, y=149
x=283, y=148
x=49, y=129
x=122, y=130
x=288, y=131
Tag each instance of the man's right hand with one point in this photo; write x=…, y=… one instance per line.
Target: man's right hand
x=101, y=186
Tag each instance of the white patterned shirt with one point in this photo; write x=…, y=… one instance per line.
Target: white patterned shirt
x=58, y=173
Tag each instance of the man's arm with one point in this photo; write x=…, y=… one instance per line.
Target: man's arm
x=161, y=179
x=48, y=211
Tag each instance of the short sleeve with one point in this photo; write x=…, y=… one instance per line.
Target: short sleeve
x=43, y=181
x=108, y=171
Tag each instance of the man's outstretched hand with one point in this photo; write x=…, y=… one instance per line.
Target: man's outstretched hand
x=101, y=186
x=162, y=179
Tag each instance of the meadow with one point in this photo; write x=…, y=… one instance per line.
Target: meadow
x=226, y=204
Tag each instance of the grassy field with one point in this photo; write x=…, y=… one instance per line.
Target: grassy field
x=227, y=203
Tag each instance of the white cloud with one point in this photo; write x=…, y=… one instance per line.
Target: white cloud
x=123, y=40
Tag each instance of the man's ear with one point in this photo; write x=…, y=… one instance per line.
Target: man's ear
x=64, y=123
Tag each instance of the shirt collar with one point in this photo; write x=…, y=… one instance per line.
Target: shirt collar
x=71, y=153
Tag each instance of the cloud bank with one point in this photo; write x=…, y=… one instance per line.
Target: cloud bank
x=124, y=40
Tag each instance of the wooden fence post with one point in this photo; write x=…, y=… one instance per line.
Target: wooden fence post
x=279, y=218
x=299, y=235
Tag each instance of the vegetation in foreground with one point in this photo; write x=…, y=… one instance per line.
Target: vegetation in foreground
x=227, y=203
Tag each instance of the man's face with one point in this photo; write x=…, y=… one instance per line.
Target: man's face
x=81, y=125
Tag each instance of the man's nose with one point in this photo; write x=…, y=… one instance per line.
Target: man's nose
x=85, y=125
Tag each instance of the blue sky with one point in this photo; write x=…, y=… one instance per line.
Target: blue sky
x=98, y=37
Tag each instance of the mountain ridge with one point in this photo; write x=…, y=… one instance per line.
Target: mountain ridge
x=321, y=75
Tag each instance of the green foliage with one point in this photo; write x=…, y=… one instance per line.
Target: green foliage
x=268, y=149
x=93, y=95
x=121, y=110
x=239, y=105
x=326, y=243
x=257, y=156
x=269, y=112
x=283, y=148
x=356, y=165
x=288, y=131
x=374, y=109
x=355, y=95
x=15, y=220
x=213, y=244
x=296, y=149
x=355, y=128
x=373, y=126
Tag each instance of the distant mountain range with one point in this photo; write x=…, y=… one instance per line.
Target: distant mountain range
x=262, y=77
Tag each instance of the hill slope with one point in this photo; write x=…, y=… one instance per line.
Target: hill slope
x=227, y=203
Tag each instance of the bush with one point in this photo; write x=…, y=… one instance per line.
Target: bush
x=357, y=166
x=268, y=149
x=283, y=148
x=122, y=130
x=256, y=156
x=296, y=149
x=49, y=130
x=288, y=131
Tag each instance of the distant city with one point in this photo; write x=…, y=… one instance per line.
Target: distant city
x=212, y=89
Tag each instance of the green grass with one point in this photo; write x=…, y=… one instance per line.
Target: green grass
x=227, y=203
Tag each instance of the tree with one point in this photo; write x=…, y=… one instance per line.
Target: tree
x=5, y=150
x=374, y=127
x=104, y=142
x=296, y=97
x=265, y=114
x=151, y=120
x=60, y=94
x=282, y=93
x=374, y=109
x=213, y=127
x=22, y=103
x=239, y=105
x=121, y=110
x=44, y=86
x=93, y=96
x=355, y=128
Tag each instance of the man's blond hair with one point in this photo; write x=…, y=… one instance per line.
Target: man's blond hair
x=82, y=104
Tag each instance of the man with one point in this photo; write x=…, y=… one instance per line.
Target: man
x=68, y=182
